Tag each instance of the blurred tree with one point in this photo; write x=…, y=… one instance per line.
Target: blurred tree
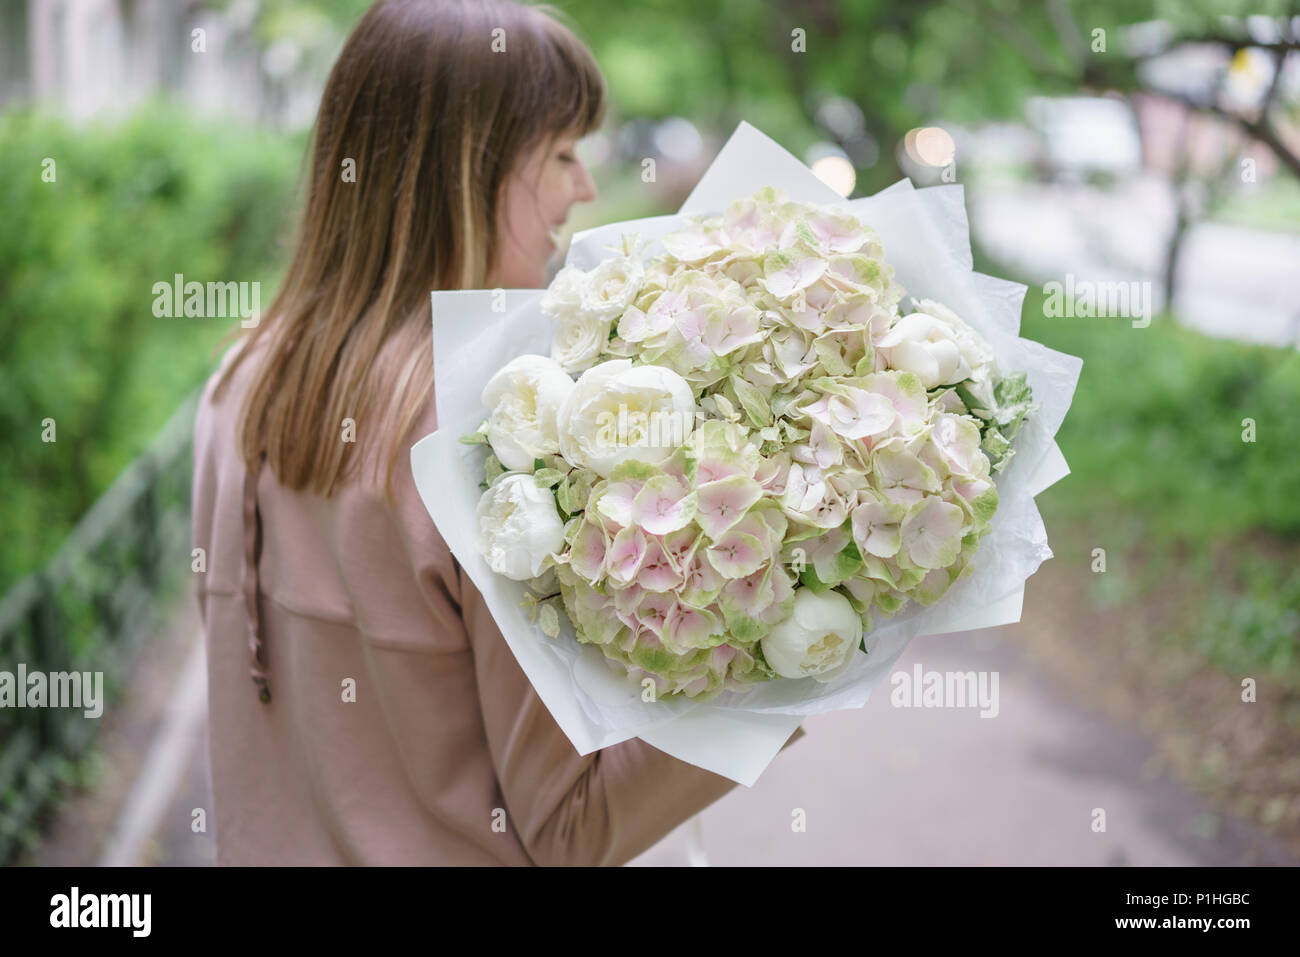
x=888, y=67
x=902, y=65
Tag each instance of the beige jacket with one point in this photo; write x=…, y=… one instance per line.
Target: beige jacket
x=446, y=755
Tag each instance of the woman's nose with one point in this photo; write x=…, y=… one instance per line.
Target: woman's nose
x=586, y=188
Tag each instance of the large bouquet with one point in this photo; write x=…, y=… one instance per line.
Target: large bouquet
x=771, y=455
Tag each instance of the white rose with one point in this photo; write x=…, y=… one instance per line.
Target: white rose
x=618, y=411
x=609, y=289
x=518, y=527
x=524, y=397
x=563, y=297
x=817, y=640
x=578, y=340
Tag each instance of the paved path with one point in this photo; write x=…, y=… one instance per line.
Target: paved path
x=881, y=785
x=896, y=786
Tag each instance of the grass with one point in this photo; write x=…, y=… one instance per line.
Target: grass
x=1269, y=205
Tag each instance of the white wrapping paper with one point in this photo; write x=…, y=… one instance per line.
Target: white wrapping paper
x=926, y=239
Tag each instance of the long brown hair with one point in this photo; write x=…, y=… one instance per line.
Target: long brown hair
x=433, y=117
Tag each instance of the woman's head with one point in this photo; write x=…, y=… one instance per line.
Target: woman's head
x=534, y=205
x=438, y=103
x=441, y=156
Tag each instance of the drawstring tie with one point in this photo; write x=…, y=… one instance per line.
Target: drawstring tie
x=258, y=670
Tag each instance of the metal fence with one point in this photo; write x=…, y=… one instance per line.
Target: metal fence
x=88, y=610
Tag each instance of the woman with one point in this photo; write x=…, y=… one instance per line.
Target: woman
x=386, y=720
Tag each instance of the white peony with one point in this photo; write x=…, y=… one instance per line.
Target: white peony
x=518, y=527
x=817, y=640
x=975, y=350
x=927, y=346
x=524, y=397
x=974, y=347
x=618, y=411
x=938, y=346
x=609, y=289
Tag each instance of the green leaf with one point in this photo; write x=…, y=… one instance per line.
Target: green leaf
x=847, y=562
x=969, y=401
x=1012, y=389
x=548, y=478
x=995, y=443
x=1013, y=397
x=1013, y=400
x=808, y=578
x=477, y=437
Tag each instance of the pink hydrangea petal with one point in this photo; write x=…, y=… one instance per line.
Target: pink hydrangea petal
x=587, y=553
x=736, y=555
x=657, y=573
x=625, y=554
x=722, y=503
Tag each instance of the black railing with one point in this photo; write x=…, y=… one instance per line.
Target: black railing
x=88, y=610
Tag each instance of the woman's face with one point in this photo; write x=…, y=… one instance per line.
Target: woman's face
x=536, y=204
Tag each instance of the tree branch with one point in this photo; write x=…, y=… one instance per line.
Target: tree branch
x=1259, y=129
x=1067, y=28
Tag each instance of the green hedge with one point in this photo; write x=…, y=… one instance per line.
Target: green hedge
x=1155, y=435
x=130, y=205
x=1163, y=479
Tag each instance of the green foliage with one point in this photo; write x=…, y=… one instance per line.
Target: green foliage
x=1162, y=478
x=1274, y=205
x=130, y=205
x=1154, y=438
x=902, y=64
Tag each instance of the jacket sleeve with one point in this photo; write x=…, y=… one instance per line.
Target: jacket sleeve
x=602, y=808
